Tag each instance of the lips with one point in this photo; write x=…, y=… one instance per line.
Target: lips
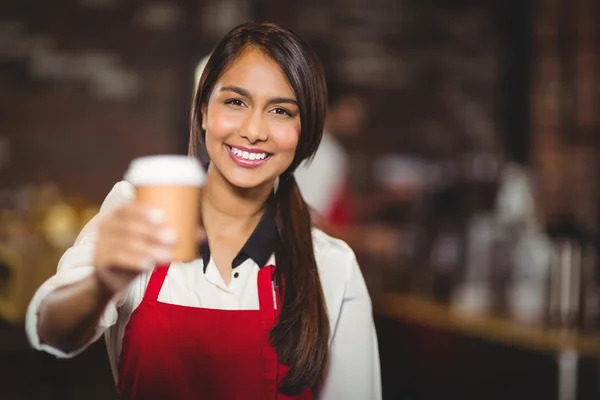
x=248, y=158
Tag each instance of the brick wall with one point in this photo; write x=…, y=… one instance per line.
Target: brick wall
x=85, y=87
x=441, y=60
x=565, y=107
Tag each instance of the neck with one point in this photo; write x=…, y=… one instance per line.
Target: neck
x=233, y=210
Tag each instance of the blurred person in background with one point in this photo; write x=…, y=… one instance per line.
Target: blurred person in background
x=325, y=179
x=229, y=325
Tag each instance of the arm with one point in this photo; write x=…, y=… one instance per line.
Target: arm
x=69, y=316
x=353, y=371
x=75, y=288
x=75, y=306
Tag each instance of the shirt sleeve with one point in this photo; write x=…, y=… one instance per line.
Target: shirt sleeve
x=353, y=371
x=75, y=265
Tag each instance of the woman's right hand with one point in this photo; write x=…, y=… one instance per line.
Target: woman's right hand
x=131, y=239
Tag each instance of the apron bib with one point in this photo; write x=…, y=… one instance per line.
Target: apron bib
x=178, y=352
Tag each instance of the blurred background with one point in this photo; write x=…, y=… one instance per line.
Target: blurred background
x=470, y=181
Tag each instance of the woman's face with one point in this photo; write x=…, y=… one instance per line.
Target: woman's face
x=252, y=122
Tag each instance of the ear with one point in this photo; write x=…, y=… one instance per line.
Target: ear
x=204, y=113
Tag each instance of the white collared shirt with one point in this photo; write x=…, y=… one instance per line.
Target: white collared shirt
x=353, y=371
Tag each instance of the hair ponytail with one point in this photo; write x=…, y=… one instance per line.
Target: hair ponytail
x=302, y=331
x=301, y=334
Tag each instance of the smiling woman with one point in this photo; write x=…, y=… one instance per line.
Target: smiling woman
x=273, y=303
x=257, y=94
x=253, y=111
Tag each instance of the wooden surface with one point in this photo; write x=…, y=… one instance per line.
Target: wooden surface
x=432, y=314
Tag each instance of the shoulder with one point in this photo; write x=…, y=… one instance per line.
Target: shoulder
x=335, y=259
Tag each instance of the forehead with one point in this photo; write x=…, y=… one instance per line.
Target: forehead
x=257, y=73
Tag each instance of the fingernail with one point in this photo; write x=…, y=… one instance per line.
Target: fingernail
x=156, y=216
x=168, y=236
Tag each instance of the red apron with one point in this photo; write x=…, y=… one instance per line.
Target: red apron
x=178, y=352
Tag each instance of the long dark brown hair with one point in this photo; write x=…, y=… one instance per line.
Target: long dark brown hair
x=301, y=333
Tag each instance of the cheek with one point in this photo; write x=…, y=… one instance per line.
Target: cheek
x=219, y=124
x=287, y=140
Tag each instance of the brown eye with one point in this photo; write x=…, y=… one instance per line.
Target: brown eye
x=282, y=111
x=235, y=102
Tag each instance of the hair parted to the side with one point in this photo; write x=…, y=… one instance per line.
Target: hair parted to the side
x=301, y=333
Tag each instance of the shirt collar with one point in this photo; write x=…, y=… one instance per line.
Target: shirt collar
x=260, y=245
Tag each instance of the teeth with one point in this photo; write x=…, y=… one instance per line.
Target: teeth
x=248, y=156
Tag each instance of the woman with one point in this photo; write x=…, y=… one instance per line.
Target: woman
x=230, y=325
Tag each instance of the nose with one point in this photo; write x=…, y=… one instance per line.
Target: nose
x=253, y=128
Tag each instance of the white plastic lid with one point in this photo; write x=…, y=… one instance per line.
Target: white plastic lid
x=173, y=170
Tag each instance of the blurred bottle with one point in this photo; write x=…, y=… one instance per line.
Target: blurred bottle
x=526, y=291
x=474, y=294
x=474, y=291
x=574, y=295
x=523, y=248
x=444, y=244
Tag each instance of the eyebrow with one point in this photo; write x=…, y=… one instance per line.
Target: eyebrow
x=245, y=93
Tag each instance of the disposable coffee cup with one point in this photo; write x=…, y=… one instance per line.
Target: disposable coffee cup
x=173, y=184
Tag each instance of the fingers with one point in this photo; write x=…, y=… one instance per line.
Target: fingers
x=142, y=231
x=126, y=259
x=134, y=237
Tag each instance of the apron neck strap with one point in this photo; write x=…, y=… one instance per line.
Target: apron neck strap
x=156, y=281
x=267, y=297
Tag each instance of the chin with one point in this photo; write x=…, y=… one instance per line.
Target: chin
x=249, y=182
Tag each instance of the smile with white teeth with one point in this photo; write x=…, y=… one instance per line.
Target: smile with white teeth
x=248, y=156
